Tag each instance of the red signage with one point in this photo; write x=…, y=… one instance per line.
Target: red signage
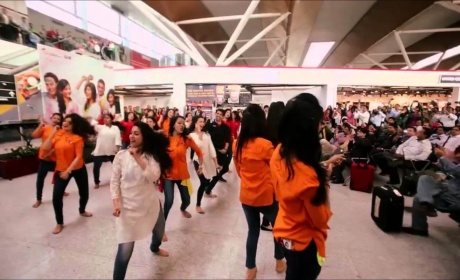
x=139, y=61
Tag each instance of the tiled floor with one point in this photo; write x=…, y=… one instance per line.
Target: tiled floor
x=210, y=246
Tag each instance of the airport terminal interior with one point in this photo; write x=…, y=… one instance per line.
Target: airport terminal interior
x=205, y=139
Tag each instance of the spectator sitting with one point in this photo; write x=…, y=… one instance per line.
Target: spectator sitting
x=416, y=148
x=433, y=193
x=342, y=135
x=451, y=143
x=359, y=147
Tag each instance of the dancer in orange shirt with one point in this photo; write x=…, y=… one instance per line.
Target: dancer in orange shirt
x=47, y=159
x=68, y=146
x=180, y=141
x=301, y=188
x=165, y=121
x=252, y=153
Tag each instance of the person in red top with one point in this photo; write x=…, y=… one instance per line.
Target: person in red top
x=301, y=188
x=68, y=144
x=252, y=153
x=47, y=159
x=127, y=123
x=178, y=175
x=234, y=123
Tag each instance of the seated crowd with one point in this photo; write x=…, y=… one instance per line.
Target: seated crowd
x=426, y=150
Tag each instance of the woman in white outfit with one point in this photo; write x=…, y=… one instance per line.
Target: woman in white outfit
x=135, y=199
x=210, y=165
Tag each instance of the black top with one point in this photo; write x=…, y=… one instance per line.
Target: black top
x=220, y=134
x=360, y=148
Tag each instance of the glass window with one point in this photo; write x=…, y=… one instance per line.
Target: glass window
x=56, y=13
x=68, y=6
x=101, y=32
x=103, y=16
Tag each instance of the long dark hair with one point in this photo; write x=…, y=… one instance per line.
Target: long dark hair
x=80, y=126
x=237, y=116
x=61, y=85
x=92, y=87
x=134, y=118
x=155, y=126
x=194, y=121
x=173, y=123
x=298, y=135
x=253, y=125
x=273, y=119
x=156, y=145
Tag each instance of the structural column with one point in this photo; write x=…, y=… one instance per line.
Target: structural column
x=178, y=98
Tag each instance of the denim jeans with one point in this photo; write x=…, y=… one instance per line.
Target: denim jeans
x=302, y=264
x=44, y=167
x=252, y=214
x=97, y=163
x=125, y=250
x=168, y=189
x=81, y=178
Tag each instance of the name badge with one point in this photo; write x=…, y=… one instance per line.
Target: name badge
x=287, y=244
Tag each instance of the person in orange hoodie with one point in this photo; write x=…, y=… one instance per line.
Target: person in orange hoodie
x=47, y=159
x=301, y=188
x=178, y=175
x=253, y=151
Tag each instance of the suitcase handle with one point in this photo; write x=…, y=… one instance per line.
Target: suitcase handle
x=353, y=160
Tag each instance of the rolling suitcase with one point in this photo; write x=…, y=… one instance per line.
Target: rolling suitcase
x=387, y=208
x=361, y=177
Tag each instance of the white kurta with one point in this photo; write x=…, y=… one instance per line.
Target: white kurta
x=139, y=202
x=207, y=148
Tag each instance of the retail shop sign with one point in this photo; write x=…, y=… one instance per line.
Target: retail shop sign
x=201, y=92
x=449, y=79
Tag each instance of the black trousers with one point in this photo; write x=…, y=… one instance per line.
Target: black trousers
x=44, y=167
x=222, y=160
x=97, y=163
x=302, y=264
x=204, y=182
x=81, y=178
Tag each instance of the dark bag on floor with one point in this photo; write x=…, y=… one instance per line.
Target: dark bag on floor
x=409, y=184
x=361, y=177
x=387, y=208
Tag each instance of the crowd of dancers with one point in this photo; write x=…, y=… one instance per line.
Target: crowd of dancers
x=276, y=152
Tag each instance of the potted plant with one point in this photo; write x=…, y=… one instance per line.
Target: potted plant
x=19, y=162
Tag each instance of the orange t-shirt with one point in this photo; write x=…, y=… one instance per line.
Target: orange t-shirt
x=177, y=151
x=298, y=219
x=44, y=132
x=256, y=186
x=67, y=147
x=165, y=126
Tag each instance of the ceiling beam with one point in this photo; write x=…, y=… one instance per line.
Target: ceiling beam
x=256, y=38
x=398, y=53
x=455, y=67
x=239, y=41
x=441, y=58
x=276, y=51
x=373, y=61
x=434, y=30
x=236, y=33
x=226, y=18
x=402, y=49
x=453, y=6
x=206, y=51
x=252, y=58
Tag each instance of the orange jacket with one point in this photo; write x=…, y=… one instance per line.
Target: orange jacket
x=165, y=126
x=44, y=132
x=298, y=219
x=177, y=152
x=256, y=186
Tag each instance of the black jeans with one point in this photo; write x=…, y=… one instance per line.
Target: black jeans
x=302, y=264
x=252, y=214
x=125, y=250
x=168, y=189
x=81, y=178
x=44, y=167
x=97, y=163
x=204, y=182
x=223, y=161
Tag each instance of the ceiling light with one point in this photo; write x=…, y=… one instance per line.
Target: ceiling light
x=316, y=53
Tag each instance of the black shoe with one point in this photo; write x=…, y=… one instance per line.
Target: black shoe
x=428, y=209
x=338, y=181
x=413, y=231
x=392, y=183
x=266, y=228
x=222, y=180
